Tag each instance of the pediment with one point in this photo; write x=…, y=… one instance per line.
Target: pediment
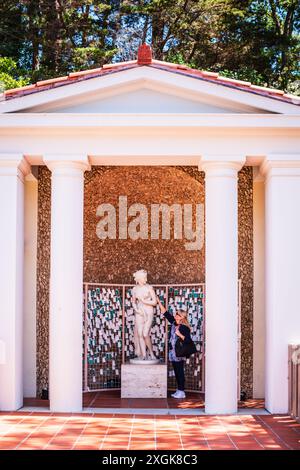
x=141, y=99
x=144, y=90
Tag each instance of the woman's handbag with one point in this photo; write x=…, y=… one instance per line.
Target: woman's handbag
x=185, y=349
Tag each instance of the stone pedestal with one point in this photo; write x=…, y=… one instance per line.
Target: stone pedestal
x=144, y=362
x=144, y=381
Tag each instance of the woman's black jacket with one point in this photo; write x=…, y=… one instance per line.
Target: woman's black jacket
x=183, y=329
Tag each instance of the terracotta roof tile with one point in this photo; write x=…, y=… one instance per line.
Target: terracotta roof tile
x=238, y=84
x=169, y=64
x=17, y=90
x=119, y=64
x=145, y=59
x=185, y=67
x=268, y=90
x=206, y=73
x=85, y=72
x=234, y=81
x=51, y=80
x=292, y=97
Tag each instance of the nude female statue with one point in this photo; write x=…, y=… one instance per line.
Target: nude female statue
x=143, y=300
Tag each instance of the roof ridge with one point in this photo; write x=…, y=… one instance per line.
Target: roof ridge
x=238, y=84
x=44, y=84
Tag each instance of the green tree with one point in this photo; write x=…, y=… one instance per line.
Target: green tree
x=250, y=40
x=255, y=40
x=64, y=35
x=10, y=74
x=12, y=31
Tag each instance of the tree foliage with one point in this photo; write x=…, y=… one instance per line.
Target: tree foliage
x=10, y=74
x=251, y=40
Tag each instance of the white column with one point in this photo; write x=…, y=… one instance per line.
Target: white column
x=66, y=278
x=282, y=278
x=221, y=278
x=13, y=168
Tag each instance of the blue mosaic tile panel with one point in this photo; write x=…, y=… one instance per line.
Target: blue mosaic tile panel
x=104, y=337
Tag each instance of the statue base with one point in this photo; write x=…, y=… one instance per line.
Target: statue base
x=144, y=362
x=144, y=382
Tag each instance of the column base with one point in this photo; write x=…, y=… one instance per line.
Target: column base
x=65, y=409
x=217, y=410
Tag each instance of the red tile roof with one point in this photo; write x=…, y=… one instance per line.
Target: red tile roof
x=145, y=58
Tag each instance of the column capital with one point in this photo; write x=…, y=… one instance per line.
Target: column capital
x=14, y=164
x=280, y=165
x=219, y=165
x=66, y=163
x=258, y=177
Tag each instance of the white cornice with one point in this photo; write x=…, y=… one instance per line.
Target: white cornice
x=150, y=120
x=281, y=165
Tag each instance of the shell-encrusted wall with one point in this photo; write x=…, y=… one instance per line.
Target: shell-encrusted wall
x=166, y=260
x=43, y=275
x=245, y=240
x=115, y=260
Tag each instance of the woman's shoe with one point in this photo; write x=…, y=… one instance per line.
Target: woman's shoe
x=174, y=394
x=178, y=394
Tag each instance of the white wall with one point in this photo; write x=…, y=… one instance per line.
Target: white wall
x=30, y=264
x=259, y=287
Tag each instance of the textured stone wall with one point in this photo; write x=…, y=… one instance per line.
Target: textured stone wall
x=43, y=275
x=167, y=261
x=245, y=240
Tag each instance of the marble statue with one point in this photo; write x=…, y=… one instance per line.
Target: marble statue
x=143, y=301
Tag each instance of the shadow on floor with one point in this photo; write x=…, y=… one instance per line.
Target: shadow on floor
x=112, y=399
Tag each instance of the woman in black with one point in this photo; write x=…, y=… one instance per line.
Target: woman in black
x=180, y=327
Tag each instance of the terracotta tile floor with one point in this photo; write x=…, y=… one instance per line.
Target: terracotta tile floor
x=38, y=430
x=112, y=399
